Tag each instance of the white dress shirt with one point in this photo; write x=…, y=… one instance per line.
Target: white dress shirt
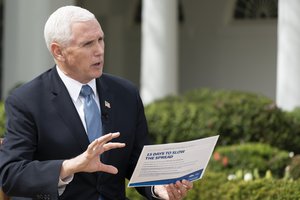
x=74, y=88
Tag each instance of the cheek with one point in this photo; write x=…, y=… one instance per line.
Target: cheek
x=79, y=59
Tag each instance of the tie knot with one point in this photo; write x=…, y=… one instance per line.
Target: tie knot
x=86, y=90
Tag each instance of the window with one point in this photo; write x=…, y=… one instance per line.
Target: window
x=255, y=9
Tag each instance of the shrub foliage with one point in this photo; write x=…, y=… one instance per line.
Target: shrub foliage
x=215, y=186
x=248, y=158
x=238, y=117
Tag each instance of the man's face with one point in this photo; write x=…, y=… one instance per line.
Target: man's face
x=84, y=56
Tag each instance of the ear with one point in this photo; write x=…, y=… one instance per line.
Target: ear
x=57, y=51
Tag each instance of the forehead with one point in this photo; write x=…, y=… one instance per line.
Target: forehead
x=86, y=30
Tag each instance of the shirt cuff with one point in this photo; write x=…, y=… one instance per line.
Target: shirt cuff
x=62, y=183
x=153, y=193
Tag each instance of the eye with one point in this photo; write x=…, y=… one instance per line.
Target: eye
x=88, y=43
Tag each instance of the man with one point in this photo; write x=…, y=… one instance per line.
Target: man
x=48, y=152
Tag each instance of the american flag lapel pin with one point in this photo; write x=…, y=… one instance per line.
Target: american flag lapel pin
x=107, y=104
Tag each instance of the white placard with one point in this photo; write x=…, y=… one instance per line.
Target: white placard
x=166, y=163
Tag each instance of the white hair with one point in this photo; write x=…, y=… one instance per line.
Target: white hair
x=58, y=25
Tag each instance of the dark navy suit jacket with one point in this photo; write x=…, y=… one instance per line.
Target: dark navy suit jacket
x=44, y=128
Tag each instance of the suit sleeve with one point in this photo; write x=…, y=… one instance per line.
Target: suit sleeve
x=21, y=174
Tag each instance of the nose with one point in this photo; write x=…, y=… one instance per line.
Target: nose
x=99, y=49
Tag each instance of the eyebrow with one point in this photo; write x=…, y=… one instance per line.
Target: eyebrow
x=91, y=40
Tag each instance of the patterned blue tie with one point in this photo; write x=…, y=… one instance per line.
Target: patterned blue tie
x=92, y=114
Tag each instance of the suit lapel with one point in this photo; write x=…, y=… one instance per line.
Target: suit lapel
x=66, y=110
x=106, y=104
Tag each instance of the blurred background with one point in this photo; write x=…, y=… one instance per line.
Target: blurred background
x=226, y=44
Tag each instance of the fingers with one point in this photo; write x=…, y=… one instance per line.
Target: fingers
x=96, y=146
x=179, y=189
x=105, y=138
x=187, y=184
x=113, y=145
x=174, y=192
x=109, y=169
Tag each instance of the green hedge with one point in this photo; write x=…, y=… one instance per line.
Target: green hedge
x=250, y=157
x=216, y=186
x=294, y=167
x=238, y=117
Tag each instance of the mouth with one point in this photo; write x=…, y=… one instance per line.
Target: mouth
x=97, y=64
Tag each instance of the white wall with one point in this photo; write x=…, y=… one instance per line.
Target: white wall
x=218, y=53
x=25, y=54
x=213, y=51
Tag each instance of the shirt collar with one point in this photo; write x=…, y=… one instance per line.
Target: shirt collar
x=73, y=86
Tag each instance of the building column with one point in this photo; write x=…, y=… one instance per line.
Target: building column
x=288, y=59
x=159, y=56
x=25, y=54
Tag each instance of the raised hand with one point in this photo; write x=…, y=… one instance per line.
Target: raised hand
x=89, y=161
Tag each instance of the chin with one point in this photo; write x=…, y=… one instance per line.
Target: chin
x=98, y=74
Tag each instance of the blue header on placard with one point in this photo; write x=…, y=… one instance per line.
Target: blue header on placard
x=190, y=177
